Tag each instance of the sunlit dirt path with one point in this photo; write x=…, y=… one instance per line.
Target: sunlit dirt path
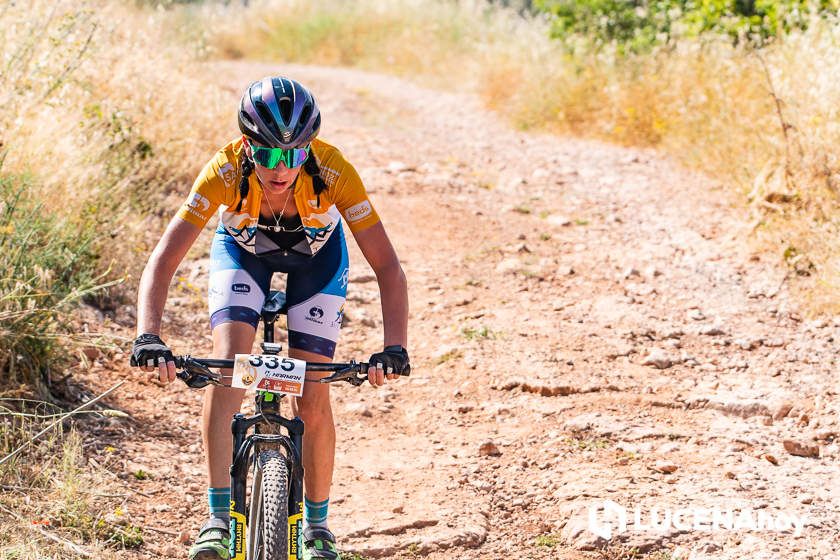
x=586, y=324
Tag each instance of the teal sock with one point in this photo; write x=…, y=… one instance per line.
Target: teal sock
x=219, y=501
x=315, y=513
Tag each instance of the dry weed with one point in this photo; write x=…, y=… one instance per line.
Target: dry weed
x=52, y=504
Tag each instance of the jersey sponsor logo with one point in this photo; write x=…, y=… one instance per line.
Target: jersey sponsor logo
x=198, y=202
x=315, y=315
x=344, y=278
x=228, y=174
x=358, y=212
x=195, y=213
x=339, y=315
x=241, y=288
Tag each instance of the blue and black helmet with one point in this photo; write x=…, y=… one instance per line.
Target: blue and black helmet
x=280, y=113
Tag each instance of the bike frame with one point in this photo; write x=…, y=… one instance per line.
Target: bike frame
x=246, y=446
x=196, y=374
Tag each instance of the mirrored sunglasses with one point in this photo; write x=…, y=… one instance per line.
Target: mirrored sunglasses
x=271, y=157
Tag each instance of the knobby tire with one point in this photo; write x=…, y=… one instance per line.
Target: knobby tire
x=268, y=523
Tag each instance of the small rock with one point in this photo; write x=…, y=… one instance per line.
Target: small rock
x=666, y=448
x=775, y=342
x=801, y=449
x=696, y=315
x=807, y=499
x=557, y=220
x=628, y=272
x=745, y=344
x=665, y=467
x=771, y=458
x=712, y=331
x=658, y=359
x=488, y=449
x=184, y=537
x=359, y=408
x=399, y=167
x=565, y=270
x=782, y=411
x=620, y=352
x=508, y=266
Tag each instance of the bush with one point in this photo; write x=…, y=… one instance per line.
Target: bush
x=47, y=264
x=637, y=25
x=86, y=153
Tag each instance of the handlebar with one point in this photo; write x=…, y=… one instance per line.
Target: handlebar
x=196, y=373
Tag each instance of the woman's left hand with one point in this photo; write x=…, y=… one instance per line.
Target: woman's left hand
x=388, y=364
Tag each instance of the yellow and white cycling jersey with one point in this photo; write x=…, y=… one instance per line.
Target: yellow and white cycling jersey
x=217, y=188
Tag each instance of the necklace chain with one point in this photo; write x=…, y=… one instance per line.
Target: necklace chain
x=277, y=228
x=282, y=208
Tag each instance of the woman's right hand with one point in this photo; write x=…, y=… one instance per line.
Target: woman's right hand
x=149, y=352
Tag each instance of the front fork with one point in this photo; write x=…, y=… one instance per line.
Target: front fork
x=243, y=446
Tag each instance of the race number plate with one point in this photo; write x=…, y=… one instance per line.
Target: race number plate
x=274, y=374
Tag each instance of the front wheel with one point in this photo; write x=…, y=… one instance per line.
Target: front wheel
x=268, y=514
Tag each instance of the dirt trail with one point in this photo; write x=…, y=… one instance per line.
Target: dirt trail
x=586, y=324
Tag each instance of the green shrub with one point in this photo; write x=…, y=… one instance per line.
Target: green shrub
x=47, y=264
x=637, y=25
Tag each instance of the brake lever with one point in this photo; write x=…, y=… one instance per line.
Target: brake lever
x=349, y=374
x=196, y=375
x=194, y=381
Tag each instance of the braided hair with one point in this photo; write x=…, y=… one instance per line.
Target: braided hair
x=247, y=168
x=310, y=166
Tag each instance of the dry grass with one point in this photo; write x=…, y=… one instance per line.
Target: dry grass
x=103, y=110
x=102, y=116
x=52, y=504
x=765, y=123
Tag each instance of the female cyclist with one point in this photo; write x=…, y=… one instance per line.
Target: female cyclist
x=281, y=194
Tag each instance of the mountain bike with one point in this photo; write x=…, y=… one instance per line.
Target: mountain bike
x=269, y=528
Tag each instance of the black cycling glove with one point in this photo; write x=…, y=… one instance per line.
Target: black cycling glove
x=394, y=359
x=149, y=348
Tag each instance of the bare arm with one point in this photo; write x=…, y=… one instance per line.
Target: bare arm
x=393, y=288
x=154, y=283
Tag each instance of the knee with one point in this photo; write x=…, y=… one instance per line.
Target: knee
x=315, y=411
x=223, y=401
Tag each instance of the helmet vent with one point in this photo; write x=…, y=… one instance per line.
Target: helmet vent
x=265, y=114
x=285, y=105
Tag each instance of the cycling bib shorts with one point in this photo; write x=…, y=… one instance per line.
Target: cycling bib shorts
x=316, y=289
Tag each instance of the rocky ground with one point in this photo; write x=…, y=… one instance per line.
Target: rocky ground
x=587, y=324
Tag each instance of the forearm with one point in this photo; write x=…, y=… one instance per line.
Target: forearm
x=154, y=283
x=151, y=296
x=393, y=289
